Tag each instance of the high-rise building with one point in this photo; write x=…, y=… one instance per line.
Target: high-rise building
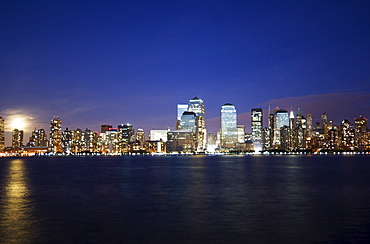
x=229, y=134
x=181, y=108
x=67, y=141
x=2, y=137
x=361, y=124
x=17, y=139
x=38, y=138
x=281, y=120
x=140, y=138
x=189, y=122
x=56, y=135
x=257, y=127
x=127, y=133
x=196, y=105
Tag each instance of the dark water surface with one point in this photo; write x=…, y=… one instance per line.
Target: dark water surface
x=226, y=199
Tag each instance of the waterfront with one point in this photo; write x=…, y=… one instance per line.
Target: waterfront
x=199, y=199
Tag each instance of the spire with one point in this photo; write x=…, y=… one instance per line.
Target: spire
x=291, y=115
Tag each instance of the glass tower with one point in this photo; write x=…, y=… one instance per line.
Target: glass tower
x=196, y=106
x=229, y=132
x=281, y=120
x=257, y=127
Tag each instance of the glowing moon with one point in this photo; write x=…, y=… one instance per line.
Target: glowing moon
x=18, y=123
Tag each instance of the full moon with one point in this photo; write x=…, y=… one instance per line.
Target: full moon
x=18, y=123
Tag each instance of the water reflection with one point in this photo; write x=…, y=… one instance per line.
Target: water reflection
x=17, y=220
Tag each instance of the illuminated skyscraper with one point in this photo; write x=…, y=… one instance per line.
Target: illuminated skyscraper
x=257, y=126
x=56, y=135
x=38, y=138
x=281, y=120
x=2, y=138
x=181, y=108
x=229, y=134
x=17, y=139
x=196, y=105
x=126, y=132
x=188, y=122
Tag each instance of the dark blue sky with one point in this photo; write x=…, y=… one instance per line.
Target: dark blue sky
x=113, y=62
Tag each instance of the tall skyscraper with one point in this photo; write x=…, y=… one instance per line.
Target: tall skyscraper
x=257, y=127
x=229, y=133
x=56, y=135
x=281, y=120
x=181, y=108
x=17, y=139
x=196, y=105
x=189, y=122
x=2, y=137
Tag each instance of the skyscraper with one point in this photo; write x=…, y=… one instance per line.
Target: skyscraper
x=17, y=139
x=188, y=122
x=56, y=135
x=281, y=120
x=229, y=133
x=38, y=138
x=196, y=105
x=2, y=138
x=181, y=108
x=257, y=126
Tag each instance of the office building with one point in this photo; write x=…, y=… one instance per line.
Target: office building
x=281, y=119
x=181, y=141
x=181, y=108
x=196, y=106
x=38, y=138
x=228, y=131
x=157, y=135
x=257, y=127
x=55, y=138
x=17, y=139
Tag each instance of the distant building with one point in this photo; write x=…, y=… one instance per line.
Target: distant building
x=181, y=108
x=38, y=138
x=17, y=139
x=157, y=135
x=281, y=120
x=196, y=106
x=257, y=128
x=180, y=141
x=228, y=131
x=55, y=143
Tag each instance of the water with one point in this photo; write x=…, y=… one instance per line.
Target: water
x=226, y=199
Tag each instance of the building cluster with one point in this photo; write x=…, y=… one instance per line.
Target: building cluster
x=285, y=132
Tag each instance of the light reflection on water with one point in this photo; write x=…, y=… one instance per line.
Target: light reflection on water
x=17, y=219
x=256, y=199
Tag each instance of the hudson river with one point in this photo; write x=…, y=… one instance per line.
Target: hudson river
x=205, y=199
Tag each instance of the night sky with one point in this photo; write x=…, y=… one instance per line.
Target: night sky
x=114, y=62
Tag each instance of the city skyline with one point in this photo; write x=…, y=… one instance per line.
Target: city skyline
x=189, y=121
x=132, y=62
